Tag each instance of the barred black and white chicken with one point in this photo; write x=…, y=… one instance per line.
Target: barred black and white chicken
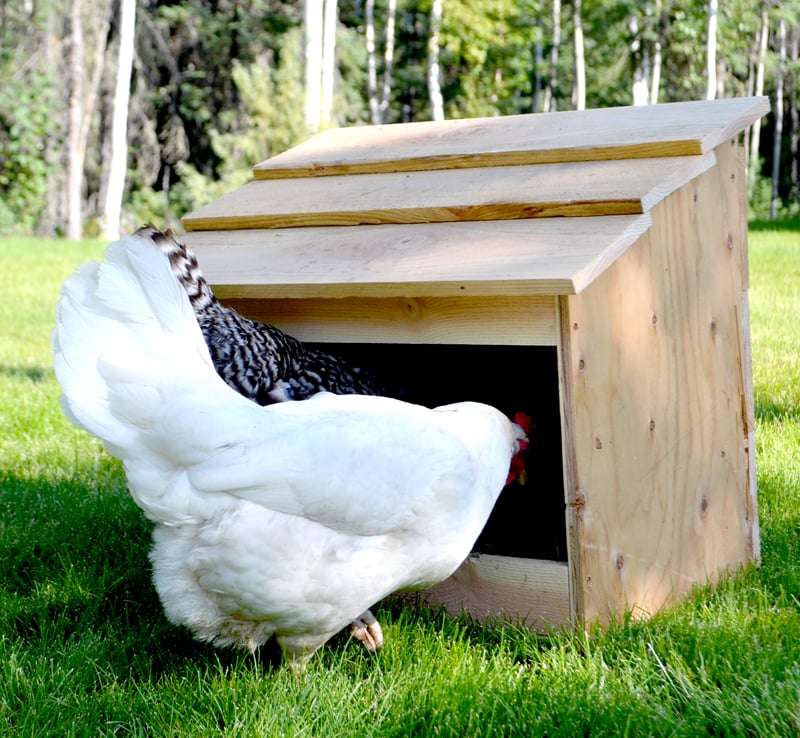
x=288, y=520
x=259, y=360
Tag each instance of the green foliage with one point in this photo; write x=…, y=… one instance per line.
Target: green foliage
x=26, y=125
x=476, y=49
x=29, y=121
x=229, y=94
x=219, y=86
x=85, y=648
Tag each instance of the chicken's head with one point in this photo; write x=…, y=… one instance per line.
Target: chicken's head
x=523, y=427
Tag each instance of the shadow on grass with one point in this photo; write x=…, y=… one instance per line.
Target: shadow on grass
x=74, y=570
x=769, y=410
x=33, y=373
x=789, y=224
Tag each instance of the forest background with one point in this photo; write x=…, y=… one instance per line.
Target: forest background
x=118, y=112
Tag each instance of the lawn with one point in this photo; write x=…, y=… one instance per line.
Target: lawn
x=86, y=651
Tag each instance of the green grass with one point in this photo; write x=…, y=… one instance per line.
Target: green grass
x=85, y=649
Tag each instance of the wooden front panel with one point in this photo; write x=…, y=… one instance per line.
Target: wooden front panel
x=659, y=407
x=510, y=321
x=528, y=592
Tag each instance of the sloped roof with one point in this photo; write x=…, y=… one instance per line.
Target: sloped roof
x=458, y=207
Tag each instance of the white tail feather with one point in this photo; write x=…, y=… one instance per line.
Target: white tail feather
x=125, y=334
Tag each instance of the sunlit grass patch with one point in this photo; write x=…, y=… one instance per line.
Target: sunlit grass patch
x=85, y=648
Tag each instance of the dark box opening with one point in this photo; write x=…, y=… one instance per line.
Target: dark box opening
x=528, y=520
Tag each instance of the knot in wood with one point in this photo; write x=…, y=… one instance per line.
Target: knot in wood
x=412, y=309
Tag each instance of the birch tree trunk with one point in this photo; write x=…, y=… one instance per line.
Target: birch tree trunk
x=550, y=104
x=711, y=51
x=388, y=58
x=434, y=81
x=655, y=80
x=794, y=117
x=313, y=19
x=82, y=100
x=55, y=207
x=580, y=64
x=379, y=101
x=372, y=70
x=754, y=159
x=76, y=151
x=778, y=135
x=118, y=166
x=331, y=17
x=640, y=90
x=538, y=59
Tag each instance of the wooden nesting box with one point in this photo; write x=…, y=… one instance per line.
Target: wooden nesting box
x=587, y=267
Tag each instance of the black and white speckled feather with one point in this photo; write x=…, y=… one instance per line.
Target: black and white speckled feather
x=258, y=360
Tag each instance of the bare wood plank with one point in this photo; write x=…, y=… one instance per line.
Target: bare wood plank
x=672, y=129
x=518, y=321
x=528, y=592
x=493, y=193
x=733, y=174
x=574, y=497
x=656, y=382
x=525, y=257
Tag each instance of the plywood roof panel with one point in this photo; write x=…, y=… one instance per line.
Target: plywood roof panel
x=488, y=194
x=674, y=129
x=516, y=257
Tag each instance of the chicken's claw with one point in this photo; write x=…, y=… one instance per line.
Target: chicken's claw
x=367, y=629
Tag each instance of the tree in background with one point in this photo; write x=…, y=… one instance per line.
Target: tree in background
x=217, y=86
x=761, y=60
x=76, y=138
x=118, y=164
x=434, y=74
x=31, y=109
x=711, y=51
x=579, y=96
x=379, y=99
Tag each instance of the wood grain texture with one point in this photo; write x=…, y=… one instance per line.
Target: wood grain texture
x=572, y=492
x=672, y=129
x=476, y=321
x=657, y=384
x=524, y=257
x=527, y=592
x=490, y=194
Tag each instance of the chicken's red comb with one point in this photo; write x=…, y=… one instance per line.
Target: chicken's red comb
x=523, y=420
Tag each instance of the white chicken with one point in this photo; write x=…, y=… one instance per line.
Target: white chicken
x=288, y=520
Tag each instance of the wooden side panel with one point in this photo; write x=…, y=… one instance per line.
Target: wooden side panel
x=489, y=194
x=572, y=492
x=529, y=592
x=657, y=385
x=544, y=256
x=517, y=321
x=673, y=129
x=736, y=202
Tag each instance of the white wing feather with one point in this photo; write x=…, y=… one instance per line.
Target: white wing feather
x=136, y=373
